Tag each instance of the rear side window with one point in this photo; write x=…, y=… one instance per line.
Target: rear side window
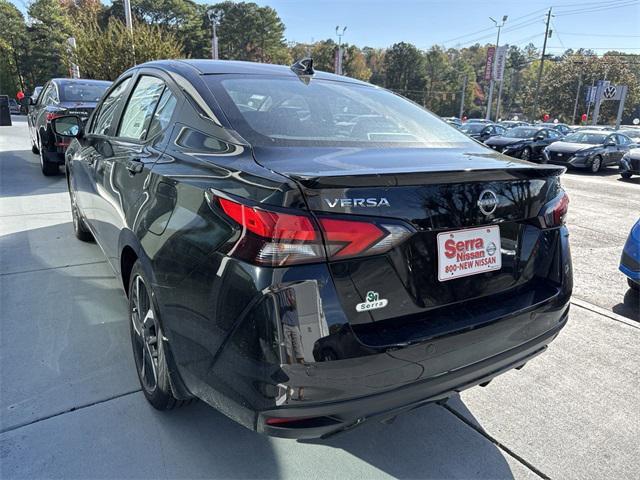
x=140, y=108
x=108, y=108
x=163, y=113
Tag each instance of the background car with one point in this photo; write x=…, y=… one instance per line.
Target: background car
x=526, y=143
x=630, y=163
x=453, y=121
x=481, y=131
x=14, y=108
x=630, y=260
x=60, y=96
x=272, y=281
x=588, y=149
x=513, y=123
x=563, y=128
x=632, y=133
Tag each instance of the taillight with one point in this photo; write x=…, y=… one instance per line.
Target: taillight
x=276, y=238
x=50, y=116
x=273, y=238
x=554, y=213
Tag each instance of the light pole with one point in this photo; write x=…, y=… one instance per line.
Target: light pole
x=128, y=18
x=339, y=62
x=493, y=68
x=214, y=18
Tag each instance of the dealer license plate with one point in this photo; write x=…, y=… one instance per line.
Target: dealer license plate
x=468, y=252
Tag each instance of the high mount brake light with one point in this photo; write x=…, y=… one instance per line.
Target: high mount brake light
x=276, y=238
x=554, y=213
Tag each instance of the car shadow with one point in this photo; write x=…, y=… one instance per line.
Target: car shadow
x=635, y=180
x=20, y=175
x=605, y=172
x=630, y=305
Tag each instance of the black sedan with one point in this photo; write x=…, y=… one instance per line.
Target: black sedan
x=630, y=163
x=588, y=149
x=301, y=273
x=526, y=143
x=481, y=131
x=563, y=128
x=60, y=96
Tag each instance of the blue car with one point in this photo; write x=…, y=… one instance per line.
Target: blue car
x=630, y=261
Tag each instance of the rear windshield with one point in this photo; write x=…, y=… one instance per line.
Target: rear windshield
x=82, y=92
x=269, y=110
x=521, y=132
x=585, y=137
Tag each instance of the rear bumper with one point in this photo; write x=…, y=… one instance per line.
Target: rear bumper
x=327, y=419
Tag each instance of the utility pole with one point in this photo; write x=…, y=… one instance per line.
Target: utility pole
x=499, y=99
x=128, y=18
x=544, y=51
x=464, y=88
x=575, y=104
x=214, y=17
x=339, y=62
x=493, y=69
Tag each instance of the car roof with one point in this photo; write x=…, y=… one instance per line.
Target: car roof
x=597, y=131
x=219, y=67
x=81, y=80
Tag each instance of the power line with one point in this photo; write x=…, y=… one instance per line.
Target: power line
x=628, y=3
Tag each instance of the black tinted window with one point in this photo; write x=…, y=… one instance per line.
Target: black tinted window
x=140, y=107
x=82, y=92
x=282, y=111
x=163, y=113
x=108, y=109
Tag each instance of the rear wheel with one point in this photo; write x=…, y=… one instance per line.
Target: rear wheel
x=625, y=174
x=79, y=227
x=148, y=344
x=596, y=165
x=48, y=168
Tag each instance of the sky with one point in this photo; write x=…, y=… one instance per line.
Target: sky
x=599, y=25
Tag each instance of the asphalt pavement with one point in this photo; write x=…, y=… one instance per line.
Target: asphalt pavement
x=70, y=404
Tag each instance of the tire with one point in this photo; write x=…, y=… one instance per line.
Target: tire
x=79, y=226
x=148, y=345
x=526, y=154
x=626, y=175
x=34, y=148
x=596, y=165
x=48, y=168
x=633, y=285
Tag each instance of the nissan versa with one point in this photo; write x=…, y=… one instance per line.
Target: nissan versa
x=304, y=251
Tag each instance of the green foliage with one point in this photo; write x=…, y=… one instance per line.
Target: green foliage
x=250, y=32
x=405, y=71
x=106, y=52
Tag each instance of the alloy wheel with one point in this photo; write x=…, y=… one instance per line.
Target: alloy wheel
x=145, y=332
x=597, y=163
x=526, y=154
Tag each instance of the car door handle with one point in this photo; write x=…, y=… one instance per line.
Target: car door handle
x=134, y=166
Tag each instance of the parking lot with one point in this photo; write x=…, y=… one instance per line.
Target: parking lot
x=70, y=403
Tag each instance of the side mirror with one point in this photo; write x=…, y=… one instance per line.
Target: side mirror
x=609, y=143
x=32, y=100
x=539, y=137
x=68, y=126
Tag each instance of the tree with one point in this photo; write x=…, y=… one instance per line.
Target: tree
x=13, y=37
x=355, y=64
x=48, y=34
x=250, y=32
x=185, y=19
x=405, y=67
x=374, y=58
x=104, y=53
